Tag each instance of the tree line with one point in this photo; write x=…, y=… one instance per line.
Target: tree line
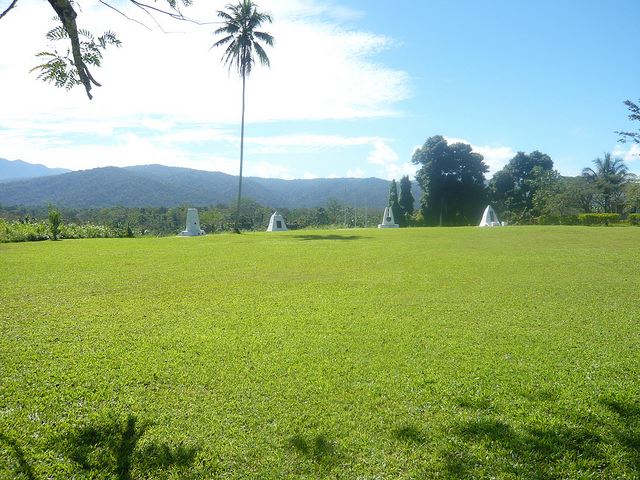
x=23, y=223
x=527, y=190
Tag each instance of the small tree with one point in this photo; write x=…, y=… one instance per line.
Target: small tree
x=54, y=222
x=393, y=201
x=406, y=200
x=129, y=232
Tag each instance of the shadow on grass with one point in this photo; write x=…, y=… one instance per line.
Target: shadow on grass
x=328, y=237
x=410, y=434
x=21, y=468
x=317, y=449
x=471, y=403
x=629, y=432
x=585, y=444
x=112, y=448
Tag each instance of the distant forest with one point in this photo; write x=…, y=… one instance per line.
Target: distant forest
x=213, y=219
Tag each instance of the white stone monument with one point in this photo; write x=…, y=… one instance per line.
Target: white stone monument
x=193, y=224
x=276, y=223
x=489, y=218
x=387, y=219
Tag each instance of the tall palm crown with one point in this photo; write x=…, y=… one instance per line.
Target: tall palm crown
x=243, y=40
x=608, y=169
x=240, y=23
x=608, y=176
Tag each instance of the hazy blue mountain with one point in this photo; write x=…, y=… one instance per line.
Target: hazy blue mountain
x=160, y=186
x=17, y=169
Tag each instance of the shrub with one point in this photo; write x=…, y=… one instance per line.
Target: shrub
x=599, y=218
x=634, y=218
x=558, y=220
x=16, y=231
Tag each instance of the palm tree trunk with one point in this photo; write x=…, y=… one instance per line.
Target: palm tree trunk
x=236, y=228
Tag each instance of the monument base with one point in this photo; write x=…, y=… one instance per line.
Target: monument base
x=187, y=233
x=388, y=225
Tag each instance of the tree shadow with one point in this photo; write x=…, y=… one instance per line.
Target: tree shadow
x=111, y=447
x=471, y=403
x=22, y=468
x=540, y=395
x=410, y=434
x=317, y=449
x=628, y=434
x=328, y=237
x=543, y=451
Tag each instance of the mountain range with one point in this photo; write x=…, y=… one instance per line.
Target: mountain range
x=161, y=186
x=17, y=169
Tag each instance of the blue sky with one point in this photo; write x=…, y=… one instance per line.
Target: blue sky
x=355, y=86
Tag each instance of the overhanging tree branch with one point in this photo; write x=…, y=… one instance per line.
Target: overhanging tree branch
x=67, y=16
x=73, y=67
x=11, y=5
x=123, y=14
x=635, y=116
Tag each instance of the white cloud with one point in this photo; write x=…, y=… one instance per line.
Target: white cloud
x=356, y=173
x=165, y=89
x=268, y=170
x=385, y=157
x=494, y=157
x=320, y=70
x=299, y=143
x=629, y=153
x=310, y=176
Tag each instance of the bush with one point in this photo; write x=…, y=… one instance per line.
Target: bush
x=599, y=218
x=16, y=231
x=634, y=218
x=558, y=220
x=23, y=231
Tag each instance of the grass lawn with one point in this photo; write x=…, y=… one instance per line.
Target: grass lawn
x=359, y=354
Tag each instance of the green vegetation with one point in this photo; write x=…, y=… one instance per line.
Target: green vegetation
x=417, y=353
x=452, y=182
x=33, y=231
x=54, y=222
x=406, y=199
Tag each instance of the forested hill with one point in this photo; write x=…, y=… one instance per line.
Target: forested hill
x=17, y=169
x=160, y=186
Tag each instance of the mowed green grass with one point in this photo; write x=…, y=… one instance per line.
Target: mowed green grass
x=359, y=354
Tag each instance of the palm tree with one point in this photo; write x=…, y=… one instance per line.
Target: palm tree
x=608, y=177
x=240, y=22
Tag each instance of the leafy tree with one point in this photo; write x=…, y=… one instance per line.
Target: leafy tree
x=634, y=108
x=393, y=201
x=71, y=66
x=452, y=178
x=512, y=189
x=632, y=197
x=54, y=222
x=608, y=177
x=559, y=196
x=406, y=200
x=243, y=44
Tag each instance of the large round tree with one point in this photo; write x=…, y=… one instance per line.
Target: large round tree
x=242, y=39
